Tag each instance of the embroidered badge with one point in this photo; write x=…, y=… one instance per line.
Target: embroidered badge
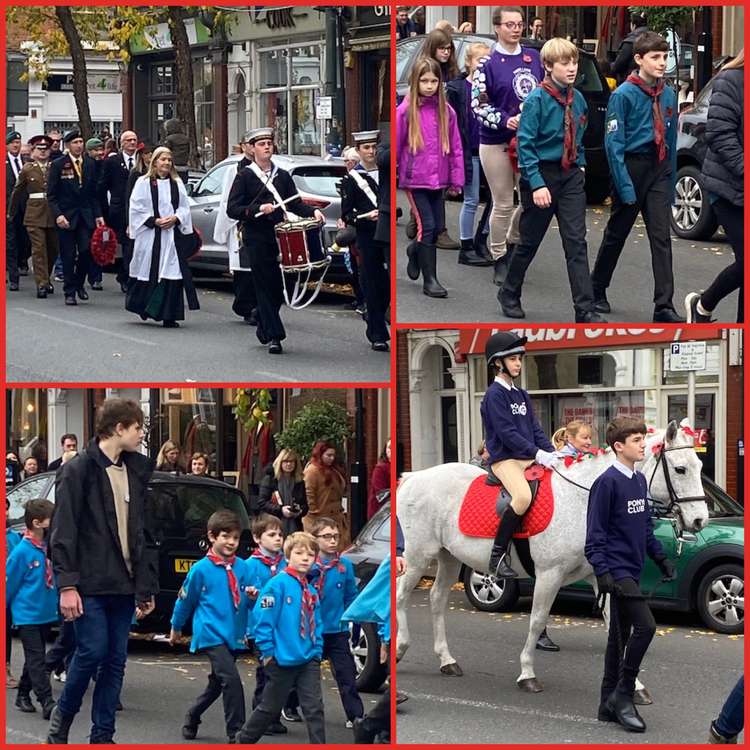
x=526, y=58
x=267, y=602
x=524, y=82
x=611, y=126
x=183, y=593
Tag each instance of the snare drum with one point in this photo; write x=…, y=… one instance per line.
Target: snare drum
x=300, y=245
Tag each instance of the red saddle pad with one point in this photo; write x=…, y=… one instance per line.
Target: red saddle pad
x=477, y=516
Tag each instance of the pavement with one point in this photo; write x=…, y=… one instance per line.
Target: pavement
x=98, y=341
x=160, y=684
x=472, y=297
x=688, y=670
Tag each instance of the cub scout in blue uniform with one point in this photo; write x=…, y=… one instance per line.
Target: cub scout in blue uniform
x=337, y=588
x=619, y=534
x=289, y=636
x=31, y=595
x=513, y=438
x=215, y=593
x=641, y=147
x=552, y=159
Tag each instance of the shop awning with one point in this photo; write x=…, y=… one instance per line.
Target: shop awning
x=364, y=43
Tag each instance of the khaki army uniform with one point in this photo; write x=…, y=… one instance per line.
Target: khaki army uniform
x=30, y=196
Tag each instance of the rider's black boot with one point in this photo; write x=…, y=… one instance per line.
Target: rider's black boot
x=498, y=566
x=620, y=703
x=545, y=643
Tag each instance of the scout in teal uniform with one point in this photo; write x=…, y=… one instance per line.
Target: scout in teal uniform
x=641, y=147
x=289, y=636
x=31, y=595
x=215, y=595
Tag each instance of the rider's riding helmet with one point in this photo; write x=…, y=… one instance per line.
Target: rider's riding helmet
x=503, y=344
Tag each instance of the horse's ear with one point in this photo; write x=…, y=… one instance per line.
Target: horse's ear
x=671, y=431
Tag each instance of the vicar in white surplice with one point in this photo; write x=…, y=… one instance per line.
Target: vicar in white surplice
x=159, y=209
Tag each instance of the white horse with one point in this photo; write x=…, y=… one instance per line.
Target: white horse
x=428, y=504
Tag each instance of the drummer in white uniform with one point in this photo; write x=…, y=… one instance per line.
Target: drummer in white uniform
x=263, y=188
x=226, y=232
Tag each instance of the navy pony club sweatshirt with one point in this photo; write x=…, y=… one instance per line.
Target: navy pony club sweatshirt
x=619, y=528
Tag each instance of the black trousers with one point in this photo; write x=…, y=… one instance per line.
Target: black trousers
x=269, y=291
x=731, y=277
x=305, y=678
x=34, y=676
x=11, y=251
x=569, y=205
x=75, y=251
x=376, y=283
x=631, y=630
x=336, y=650
x=59, y=656
x=245, y=300
x=428, y=207
x=8, y=636
x=652, y=181
x=224, y=680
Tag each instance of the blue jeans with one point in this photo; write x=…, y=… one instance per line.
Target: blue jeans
x=471, y=201
x=731, y=720
x=102, y=650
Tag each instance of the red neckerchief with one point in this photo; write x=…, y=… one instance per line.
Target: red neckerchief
x=654, y=92
x=48, y=579
x=272, y=562
x=570, y=149
x=324, y=567
x=307, y=614
x=231, y=577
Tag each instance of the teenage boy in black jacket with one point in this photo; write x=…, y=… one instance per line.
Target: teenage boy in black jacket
x=103, y=564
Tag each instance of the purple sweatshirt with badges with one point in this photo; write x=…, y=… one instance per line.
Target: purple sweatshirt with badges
x=500, y=84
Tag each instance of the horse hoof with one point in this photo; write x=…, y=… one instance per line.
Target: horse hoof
x=452, y=669
x=642, y=697
x=530, y=685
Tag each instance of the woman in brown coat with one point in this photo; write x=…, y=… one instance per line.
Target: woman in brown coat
x=325, y=484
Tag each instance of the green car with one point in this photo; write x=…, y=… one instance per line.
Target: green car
x=710, y=564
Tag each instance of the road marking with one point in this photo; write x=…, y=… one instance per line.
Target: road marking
x=574, y=718
x=86, y=327
x=35, y=738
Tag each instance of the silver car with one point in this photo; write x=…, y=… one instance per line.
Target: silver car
x=316, y=180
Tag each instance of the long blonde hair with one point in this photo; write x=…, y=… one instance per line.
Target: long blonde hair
x=564, y=434
x=288, y=453
x=167, y=446
x=151, y=173
x=738, y=62
x=416, y=142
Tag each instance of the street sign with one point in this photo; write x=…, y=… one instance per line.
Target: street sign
x=685, y=356
x=324, y=110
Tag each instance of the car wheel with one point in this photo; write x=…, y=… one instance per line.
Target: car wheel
x=365, y=647
x=692, y=215
x=489, y=594
x=721, y=599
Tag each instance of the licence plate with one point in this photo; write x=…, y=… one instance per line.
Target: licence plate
x=182, y=565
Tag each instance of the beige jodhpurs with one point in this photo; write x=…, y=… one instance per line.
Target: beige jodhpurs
x=510, y=473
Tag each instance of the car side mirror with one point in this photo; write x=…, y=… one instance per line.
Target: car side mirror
x=612, y=83
x=189, y=189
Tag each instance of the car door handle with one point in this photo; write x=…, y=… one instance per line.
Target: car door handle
x=208, y=209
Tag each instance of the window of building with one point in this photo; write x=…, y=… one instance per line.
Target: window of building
x=28, y=424
x=203, y=90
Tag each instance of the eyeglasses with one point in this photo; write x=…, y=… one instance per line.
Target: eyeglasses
x=510, y=25
x=447, y=48
x=329, y=537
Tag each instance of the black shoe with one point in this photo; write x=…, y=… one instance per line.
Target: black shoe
x=590, y=317
x=124, y=287
x=716, y=738
x=274, y=347
x=276, y=728
x=291, y=714
x=170, y=324
x=363, y=734
x=23, y=270
x=190, y=727
x=41, y=292
x=82, y=294
x=428, y=265
x=23, y=703
x=667, y=315
x=481, y=249
x=511, y=307
x=252, y=319
x=97, y=286
x=467, y=256
x=13, y=286
x=70, y=299
x=231, y=739
x=59, y=726
x=50, y=289
x=605, y=714
x=380, y=346
x=412, y=267
x=601, y=304
x=47, y=708
x=545, y=643
x=624, y=710
x=691, y=308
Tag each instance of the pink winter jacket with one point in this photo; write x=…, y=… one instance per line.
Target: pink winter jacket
x=429, y=168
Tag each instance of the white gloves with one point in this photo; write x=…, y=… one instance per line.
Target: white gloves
x=547, y=459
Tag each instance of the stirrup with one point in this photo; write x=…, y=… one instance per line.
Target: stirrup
x=502, y=569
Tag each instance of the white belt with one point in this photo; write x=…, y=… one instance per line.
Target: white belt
x=37, y=195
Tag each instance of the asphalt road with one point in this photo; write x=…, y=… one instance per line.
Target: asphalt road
x=472, y=297
x=160, y=683
x=688, y=670
x=99, y=341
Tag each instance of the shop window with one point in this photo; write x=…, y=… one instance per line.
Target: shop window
x=305, y=127
x=162, y=80
x=28, y=423
x=273, y=112
x=709, y=375
x=273, y=68
x=203, y=96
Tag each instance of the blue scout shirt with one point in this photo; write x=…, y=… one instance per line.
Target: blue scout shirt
x=12, y=540
x=619, y=529
x=510, y=427
x=260, y=574
x=205, y=595
x=277, y=623
x=540, y=134
x=373, y=603
x=338, y=592
x=30, y=600
x=630, y=129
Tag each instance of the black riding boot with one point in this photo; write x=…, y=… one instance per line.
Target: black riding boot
x=469, y=257
x=508, y=524
x=545, y=643
x=428, y=264
x=412, y=267
x=620, y=703
x=502, y=265
x=59, y=726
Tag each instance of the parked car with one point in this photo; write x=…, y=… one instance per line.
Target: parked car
x=710, y=577
x=317, y=182
x=591, y=82
x=693, y=217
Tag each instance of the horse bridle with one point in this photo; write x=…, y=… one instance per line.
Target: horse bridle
x=674, y=498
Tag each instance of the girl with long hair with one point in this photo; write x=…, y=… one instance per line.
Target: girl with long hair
x=325, y=484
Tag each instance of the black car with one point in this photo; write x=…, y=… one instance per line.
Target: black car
x=591, y=82
x=692, y=215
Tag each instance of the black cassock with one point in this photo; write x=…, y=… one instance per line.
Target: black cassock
x=259, y=249
x=377, y=285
